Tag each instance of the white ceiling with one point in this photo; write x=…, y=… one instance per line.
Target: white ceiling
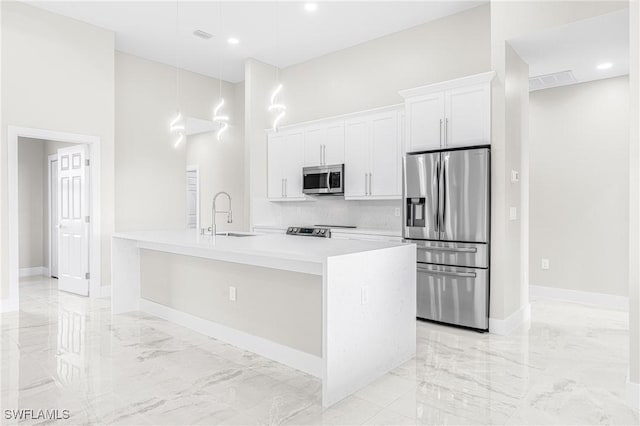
x=579, y=47
x=148, y=28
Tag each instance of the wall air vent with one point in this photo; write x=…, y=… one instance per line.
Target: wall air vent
x=202, y=34
x=548, y=81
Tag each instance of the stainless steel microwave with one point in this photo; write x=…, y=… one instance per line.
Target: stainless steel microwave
x=327, y=180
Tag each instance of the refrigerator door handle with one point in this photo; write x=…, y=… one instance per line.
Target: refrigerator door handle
x=449, y=273
x=452, y=249
x=436, y=211
x=443, y=195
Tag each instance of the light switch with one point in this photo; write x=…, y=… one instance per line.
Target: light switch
x=513, y=213
x=232, y=294
x=545, y=264
x=515, y=176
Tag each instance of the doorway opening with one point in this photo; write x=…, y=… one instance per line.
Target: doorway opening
x=54, y=210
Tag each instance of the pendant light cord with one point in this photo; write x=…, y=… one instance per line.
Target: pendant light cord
x=177, y=49
x=221, y=50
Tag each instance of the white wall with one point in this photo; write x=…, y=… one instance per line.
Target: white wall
x=31, y=194
x=633, y=389
x=260, y=80
x=150, y=173
x=510, y=20
x=362, y=77
x=57, y=74
x=370, y=74
x=579, y=186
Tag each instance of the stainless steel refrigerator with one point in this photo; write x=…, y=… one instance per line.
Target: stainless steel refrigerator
x=447, y=215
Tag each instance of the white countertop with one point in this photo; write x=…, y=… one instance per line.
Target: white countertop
x=248, y=249
x=365, y=231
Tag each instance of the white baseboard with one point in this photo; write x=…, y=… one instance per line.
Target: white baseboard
x=583, y=297
x=294, y=358
x=105, y=291
x=504, y=327
x=9, y=305
x=633, y=394
x=33, y=271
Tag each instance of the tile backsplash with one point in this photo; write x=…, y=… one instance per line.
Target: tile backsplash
x=329, y=210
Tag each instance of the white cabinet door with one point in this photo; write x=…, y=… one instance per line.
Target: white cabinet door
x=385, y=178
x=314, y=140
x=73, y=211
x=276, y=155
x=356, y=157
x=468, y=112
x=334, y=144
x=292, y=162
x=424, y=117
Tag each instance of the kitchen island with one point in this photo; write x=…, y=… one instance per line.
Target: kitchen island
x=341, y=310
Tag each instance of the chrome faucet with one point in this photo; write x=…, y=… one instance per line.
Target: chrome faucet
x=214, y=211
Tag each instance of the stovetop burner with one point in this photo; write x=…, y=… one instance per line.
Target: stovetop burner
x=309, y=232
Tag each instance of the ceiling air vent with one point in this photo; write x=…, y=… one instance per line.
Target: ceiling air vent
x=202, y=34
x=547, y=81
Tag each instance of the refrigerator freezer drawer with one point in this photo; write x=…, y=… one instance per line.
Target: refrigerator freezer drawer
x=454, y=295
x=456, y=254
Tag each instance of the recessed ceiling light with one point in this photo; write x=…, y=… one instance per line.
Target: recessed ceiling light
x=310, y=7
x=605, y=66
x=233, y=40
x=202, y=34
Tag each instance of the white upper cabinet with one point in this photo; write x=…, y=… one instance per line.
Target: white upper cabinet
x=372, y=156
x=324, y=144
x=314, y=138
x=285, y=159
x=449, y=114
x=369, y=144
x=385, y=171
x=425, y=121
x=468, y=115
x=356, y=161
x=334, y=144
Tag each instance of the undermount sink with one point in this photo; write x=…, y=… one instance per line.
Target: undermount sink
x=234, y=234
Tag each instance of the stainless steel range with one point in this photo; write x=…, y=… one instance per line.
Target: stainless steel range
x=447, y=215
x=309, y=232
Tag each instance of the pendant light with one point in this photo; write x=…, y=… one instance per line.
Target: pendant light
x=278, y=108
x=222, y=120
x=177, y=126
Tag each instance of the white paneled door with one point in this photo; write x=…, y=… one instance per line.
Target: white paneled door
x=73, y=225
x=193, y=199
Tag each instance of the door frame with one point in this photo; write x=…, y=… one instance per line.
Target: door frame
x=50, y=159
x=197, y=170
x=93, y=142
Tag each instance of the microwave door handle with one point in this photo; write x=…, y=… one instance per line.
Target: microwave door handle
x=329, y=181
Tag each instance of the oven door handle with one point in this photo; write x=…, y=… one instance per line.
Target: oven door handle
x=448, y=273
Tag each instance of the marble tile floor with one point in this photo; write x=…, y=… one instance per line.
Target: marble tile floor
x=62, y=351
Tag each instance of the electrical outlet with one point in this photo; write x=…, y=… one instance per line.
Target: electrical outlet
x=364, y=295
x=397, y=211
x=232, y=293
x=545, y=264
x=513, y=213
